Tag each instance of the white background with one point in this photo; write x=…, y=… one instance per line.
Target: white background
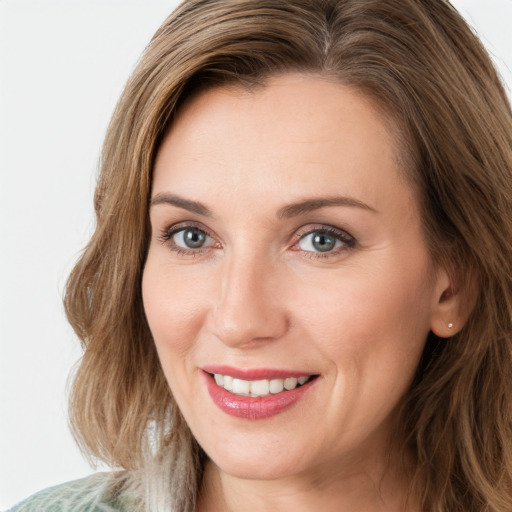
x=62, y=67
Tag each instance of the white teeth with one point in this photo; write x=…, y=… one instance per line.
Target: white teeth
x=260, y=387
x=290, y=383
x=228, y=382
x=241, y=387
x=276, y=385
x=256, y=388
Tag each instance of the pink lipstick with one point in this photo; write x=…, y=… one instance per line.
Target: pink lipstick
x=279, y=390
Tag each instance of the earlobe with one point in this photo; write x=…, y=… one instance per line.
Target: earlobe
x=451, y=306
x=444, y=330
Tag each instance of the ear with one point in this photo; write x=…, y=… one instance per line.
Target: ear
x=453, y=302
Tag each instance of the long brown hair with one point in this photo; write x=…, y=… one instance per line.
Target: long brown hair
x=419, y=60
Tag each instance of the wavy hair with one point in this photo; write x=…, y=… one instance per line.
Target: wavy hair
x=421, y=62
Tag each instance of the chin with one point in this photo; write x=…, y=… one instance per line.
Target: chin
x=255, y=461
x=254, y=470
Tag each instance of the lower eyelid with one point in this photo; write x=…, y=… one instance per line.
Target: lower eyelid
x=180, y=251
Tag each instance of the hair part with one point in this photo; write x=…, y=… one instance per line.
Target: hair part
x=422, y=64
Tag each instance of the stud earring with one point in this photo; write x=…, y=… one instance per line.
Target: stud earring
x=450, y=326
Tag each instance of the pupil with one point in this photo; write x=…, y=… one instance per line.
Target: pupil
x=194, y=239
x=323, y=243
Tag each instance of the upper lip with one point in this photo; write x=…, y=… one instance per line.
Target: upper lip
x=255, y=373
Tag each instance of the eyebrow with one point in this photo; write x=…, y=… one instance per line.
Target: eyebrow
x=292, y=210
x=310, y=205
x=180, y=202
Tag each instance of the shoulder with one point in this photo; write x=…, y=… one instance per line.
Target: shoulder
x=96, y=493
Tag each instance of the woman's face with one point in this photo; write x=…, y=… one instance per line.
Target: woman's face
x=287, y=259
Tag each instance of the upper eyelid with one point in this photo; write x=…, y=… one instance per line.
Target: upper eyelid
x=328, y=228
x=180, y=226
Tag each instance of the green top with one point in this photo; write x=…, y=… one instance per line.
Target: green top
x=94, y=493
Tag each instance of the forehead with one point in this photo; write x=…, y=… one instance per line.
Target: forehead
x=295, y=134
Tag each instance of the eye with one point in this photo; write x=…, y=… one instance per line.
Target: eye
x=191, y=238
x=318, y=241
x=324, y=241
x=187, y=240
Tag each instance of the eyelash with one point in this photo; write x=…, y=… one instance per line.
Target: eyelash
x=347, y=240
x=167, y=235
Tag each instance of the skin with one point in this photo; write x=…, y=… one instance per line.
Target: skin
x=258, y=294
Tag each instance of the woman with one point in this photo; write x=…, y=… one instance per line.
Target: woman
x=299, y=290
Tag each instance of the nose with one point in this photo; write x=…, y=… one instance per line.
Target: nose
x=250, y=306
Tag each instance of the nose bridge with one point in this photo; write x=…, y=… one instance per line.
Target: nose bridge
x=248, y=307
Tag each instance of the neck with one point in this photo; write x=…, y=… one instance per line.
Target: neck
x=375, y=489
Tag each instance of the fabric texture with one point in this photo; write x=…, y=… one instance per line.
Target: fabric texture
x=99, y=492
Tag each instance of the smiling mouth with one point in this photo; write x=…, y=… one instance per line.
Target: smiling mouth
x=259, y=388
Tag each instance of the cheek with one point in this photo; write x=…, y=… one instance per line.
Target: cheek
x=174, y=311
x=173, y=308
x=363, y=301
x=372, y=322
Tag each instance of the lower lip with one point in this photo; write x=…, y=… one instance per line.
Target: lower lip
x=254, y=408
